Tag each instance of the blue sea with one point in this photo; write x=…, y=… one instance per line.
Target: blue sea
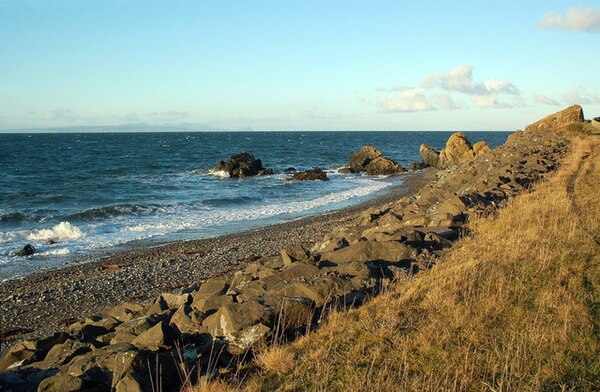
x=73, y=195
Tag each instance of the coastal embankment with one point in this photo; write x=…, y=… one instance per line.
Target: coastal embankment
x=218, y=326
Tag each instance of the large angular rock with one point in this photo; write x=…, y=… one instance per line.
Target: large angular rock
x=125, y=311
x=429, y=156
x=457, y=150
x=237, y=316
x=319, y=289
x=242, y=325
x=315, y=174
x=61, y=382
x=188, y=321
x=19, y=354
x=211, y=295
x=481, y=148
x=556, y=121
x=294, y=253
x=360, y=159
x=242, y=165
x=159, y=337
x=168, y=301
x=369, y=251
x=383, y=166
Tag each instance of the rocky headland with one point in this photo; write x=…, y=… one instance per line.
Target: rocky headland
x=219, y=321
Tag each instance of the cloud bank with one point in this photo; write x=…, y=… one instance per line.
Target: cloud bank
x=459, y=80
x=576, y=19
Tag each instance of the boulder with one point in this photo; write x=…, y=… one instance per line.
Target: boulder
x=369, y=251
x=62, y=353
x=481, y=148
x=429, y=156
x=556, y=121
x=310, y=175
x=242, y=165
x=27, y=250
x=383, y=166
x=159, y=337
x=457, y=150
x=291, y=312
x=294, y=253
x=320, y=290
x=19, y=354
x=211, y=295
x=125, y=311
x=168, y=301
x=241, y=324
x=188, y=321
x=360, y=159
x=61, y=382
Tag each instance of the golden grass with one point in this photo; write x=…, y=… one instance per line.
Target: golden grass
x=517, y=307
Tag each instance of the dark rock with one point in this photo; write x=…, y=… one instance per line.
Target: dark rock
x=27, y=250
x=242, y=165
x=310, y=175
x=290, y=170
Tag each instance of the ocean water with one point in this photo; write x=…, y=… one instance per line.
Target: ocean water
x=90, y=192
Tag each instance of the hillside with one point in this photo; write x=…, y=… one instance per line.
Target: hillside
x=515, y=307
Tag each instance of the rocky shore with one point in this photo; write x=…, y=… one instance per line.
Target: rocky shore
x=279, y=297
x=43, y=302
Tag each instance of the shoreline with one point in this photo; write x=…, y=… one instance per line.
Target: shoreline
x=41, y=302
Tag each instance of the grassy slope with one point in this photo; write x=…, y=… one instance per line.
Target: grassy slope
x=515, y=308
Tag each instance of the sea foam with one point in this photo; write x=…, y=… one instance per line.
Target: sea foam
x=60, y=232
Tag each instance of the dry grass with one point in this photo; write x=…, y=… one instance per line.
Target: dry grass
x=276, y=359
x=515, y=308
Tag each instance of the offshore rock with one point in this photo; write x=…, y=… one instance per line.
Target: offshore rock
x=27, y=250
x=242, y=165
x=315, y=174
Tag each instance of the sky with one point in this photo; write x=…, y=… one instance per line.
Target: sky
x=296, y=65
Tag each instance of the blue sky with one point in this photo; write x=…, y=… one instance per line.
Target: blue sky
x=302, y=65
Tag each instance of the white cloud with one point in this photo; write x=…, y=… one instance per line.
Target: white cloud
x=416, y=100
x=459, y=80
x=576, y=19
x=60, y=114
x=545, y=100
x=580, y=97
x=489, y=101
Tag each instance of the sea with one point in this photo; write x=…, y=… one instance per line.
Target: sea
x=76, y=195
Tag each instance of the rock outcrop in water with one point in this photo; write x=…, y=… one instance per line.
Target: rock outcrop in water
x=315, y=174
x=243, y=165
x=280, y=296
x=370, y=160
x=27, y=250
x=458, y=150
